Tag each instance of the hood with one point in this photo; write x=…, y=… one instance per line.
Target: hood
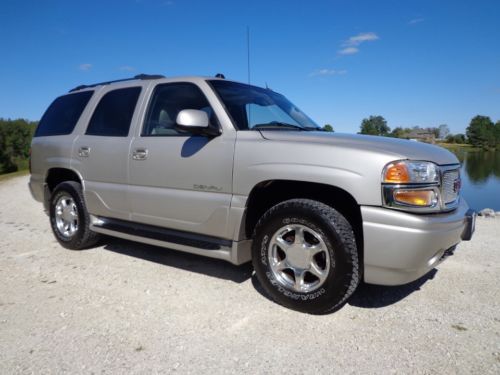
x=397, y=148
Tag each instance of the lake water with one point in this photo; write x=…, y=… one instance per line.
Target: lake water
x=480, y=174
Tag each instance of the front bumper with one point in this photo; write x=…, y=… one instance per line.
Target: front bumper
x=400, y=247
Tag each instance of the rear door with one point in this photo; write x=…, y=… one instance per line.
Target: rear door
x=180, y=180
x=101, y=154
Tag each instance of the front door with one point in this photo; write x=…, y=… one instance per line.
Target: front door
x=179, y=180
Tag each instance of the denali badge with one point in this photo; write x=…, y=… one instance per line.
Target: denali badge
x=207, y=187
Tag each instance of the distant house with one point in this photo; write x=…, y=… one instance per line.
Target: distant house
x=422, y=135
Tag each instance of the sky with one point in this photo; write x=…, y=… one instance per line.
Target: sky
x=414, y=62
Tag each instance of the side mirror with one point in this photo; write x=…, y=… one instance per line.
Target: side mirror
x=196, y=122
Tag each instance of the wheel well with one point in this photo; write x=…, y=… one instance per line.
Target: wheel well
x=57, y=175
x=269, y=193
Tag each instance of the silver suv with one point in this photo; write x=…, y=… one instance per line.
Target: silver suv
x=237, y=172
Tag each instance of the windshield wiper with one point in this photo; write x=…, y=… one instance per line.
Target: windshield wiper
x=278, y=124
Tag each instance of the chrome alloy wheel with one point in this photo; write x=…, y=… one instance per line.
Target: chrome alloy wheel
x=299, y=258
x=66, y=215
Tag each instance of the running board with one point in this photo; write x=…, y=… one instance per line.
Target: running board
x=213, y=247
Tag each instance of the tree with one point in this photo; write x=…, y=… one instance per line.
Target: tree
x=450, y=138
x=375, y=125
x=328, y=128
x=443, y=131
x=481, y=132
x=459, y=138
x=455, y=138
x=497, y=133
x=400, y=132
x=15, y=139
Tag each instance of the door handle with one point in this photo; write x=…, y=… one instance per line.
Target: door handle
x=84, y=152
x=140, y=154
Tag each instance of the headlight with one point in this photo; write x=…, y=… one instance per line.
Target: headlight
x=412, y=186
x=407, y=172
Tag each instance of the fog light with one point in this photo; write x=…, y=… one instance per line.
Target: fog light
x=419, y=198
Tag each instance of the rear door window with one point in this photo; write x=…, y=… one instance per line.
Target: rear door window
x=63, y=114
x=113, y=114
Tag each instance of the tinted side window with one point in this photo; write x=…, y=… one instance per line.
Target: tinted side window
x=63, y=114
x=167, y=101
x=114, y=113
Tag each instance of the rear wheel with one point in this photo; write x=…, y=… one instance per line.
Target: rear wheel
x=69, y=218
x=304, y=255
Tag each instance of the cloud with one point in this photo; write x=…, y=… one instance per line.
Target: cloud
x=360, y=38
x=126, y=68
x=85, y=67
x=351, y=45
x=349, y=51
x=415, y=21
x=327, y=72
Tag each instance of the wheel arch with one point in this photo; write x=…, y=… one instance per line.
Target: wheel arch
x=268, y=193
x=53, y=178
x=57, y=175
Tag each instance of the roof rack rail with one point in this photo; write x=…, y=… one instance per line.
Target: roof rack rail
x=138, y=76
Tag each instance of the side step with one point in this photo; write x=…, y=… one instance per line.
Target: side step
x=163, y=234
x=213, y=247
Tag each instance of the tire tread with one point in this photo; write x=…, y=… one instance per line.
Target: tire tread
x=341, y=226
x=86, y=238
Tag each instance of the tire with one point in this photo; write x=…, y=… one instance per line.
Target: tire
x=305, y=256
x=69, y=218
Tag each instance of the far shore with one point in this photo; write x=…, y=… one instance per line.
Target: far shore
x=458, y=146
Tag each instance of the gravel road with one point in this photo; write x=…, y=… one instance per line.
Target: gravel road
x=125, y=307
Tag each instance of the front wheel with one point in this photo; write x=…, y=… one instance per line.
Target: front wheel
x=69, y=218
x=305, y=256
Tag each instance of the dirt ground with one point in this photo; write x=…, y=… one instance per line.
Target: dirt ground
x=125, y=307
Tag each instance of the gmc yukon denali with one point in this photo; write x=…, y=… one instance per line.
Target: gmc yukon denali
x=237, y=172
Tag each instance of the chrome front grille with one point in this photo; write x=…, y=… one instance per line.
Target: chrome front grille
x=451, y=186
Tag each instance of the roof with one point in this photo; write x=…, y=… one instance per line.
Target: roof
x=143, y=77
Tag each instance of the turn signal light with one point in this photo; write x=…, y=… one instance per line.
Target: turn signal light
x=420, y=198
x=397, y=173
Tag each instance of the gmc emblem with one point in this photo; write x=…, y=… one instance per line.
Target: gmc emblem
x=456, y=185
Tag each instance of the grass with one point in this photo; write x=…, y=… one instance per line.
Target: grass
x=8, y=176
x=458, y=146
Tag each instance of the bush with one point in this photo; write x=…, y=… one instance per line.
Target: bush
x=15, y=140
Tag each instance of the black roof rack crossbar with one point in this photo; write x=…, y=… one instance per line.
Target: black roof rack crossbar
x=138, y=76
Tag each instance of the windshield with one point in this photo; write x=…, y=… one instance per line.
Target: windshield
x=253, y=107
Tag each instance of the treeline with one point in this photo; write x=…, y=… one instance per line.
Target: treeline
x=15, y=140
x=481, y=132
x=377, y=125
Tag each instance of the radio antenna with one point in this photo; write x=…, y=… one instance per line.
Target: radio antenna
x=248, y=53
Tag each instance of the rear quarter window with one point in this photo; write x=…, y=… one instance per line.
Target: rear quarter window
x=63, y=114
